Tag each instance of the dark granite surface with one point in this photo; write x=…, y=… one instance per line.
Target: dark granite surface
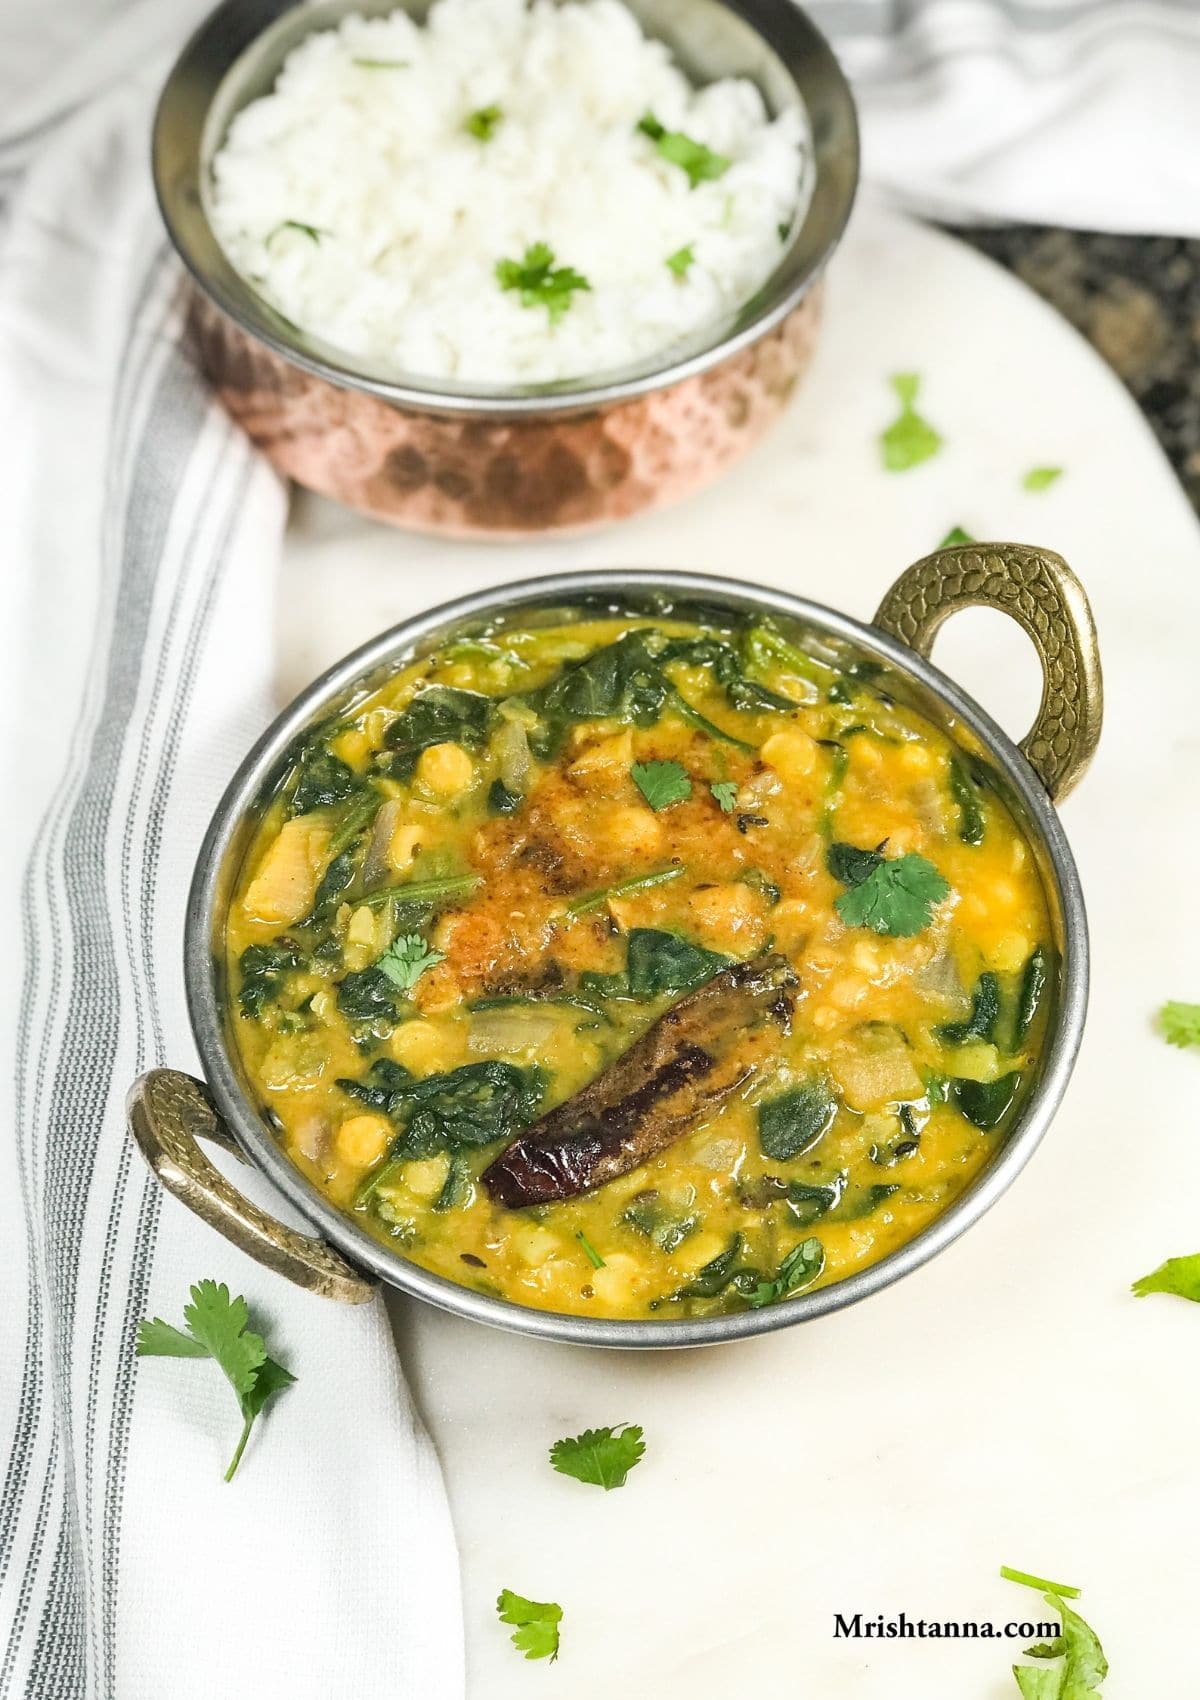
x=1137, y=300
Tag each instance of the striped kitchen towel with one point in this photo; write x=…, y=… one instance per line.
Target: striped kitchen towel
x=143, y=539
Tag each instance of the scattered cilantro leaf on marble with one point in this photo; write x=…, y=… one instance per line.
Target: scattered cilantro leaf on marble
x=600, y=1456
x=1180, y=1024
x=536, y=1624
x=910, y=438
x=1178, y=1275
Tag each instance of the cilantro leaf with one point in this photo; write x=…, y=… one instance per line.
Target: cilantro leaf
x=1083, y=1667
x=799, y=1268
x=1178, y=1275
x=1041, y=477
x=1180, y=1023
x=218, y=1328
x=909, y=439
x=1028, y=1580
x=406, y=959
x=661, y=783
x=537, y=1624
x=312, y=231
x=221, y=1324
x=893, y=897
x=159, y=1339
x=701, y=164
x=724, y=794
x=541, y=283
x=681, y=261
x=956, y=534
x=601, y=1456
x=482, y=123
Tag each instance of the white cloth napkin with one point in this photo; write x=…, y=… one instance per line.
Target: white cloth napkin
x=143, y=538
x=1084, y=113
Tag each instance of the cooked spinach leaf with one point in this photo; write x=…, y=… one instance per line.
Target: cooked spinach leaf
x=964, y=788
x=809, y=1202
x=461, y=1110
x=627, y=681
x=322, y=780
x=714, y=1277
x=864, y=1201
x=800, y=1268
x=502, y=801
x=663, y=1227
x=368, y=995
x=359, y=811
x=657, y=962
x=792, y=1121
x=1033, y=984
x=980, y=1024
x=850, y=865
x=765, y=649
x=334, y=881
x=440, y=714
x=263, y=969
x=623, y=681
x=985, y=1103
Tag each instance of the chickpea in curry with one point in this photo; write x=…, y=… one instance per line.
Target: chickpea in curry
x=639, y=968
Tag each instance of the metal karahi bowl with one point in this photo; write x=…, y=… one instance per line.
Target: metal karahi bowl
x=170, y=1111
x=482, y=460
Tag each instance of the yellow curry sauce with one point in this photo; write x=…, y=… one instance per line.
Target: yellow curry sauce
x=480, y=886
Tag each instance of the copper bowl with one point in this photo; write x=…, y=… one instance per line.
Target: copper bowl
x=489, y=461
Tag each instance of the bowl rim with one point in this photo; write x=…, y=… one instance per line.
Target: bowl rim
x=246, y=788
x=179, y=196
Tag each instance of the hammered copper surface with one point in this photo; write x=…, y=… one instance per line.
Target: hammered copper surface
x=479, y=477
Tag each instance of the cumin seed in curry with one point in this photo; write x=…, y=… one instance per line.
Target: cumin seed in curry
x=634, y=968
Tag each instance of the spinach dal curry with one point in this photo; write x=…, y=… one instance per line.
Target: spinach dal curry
x=638, y=968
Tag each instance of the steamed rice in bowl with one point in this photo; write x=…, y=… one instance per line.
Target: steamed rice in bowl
x=508, y=194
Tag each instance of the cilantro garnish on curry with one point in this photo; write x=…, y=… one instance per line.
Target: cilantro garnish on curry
x=639, y=969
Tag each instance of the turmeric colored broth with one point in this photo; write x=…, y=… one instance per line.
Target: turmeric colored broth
x=461, y=908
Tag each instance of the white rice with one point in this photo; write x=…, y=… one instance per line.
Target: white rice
x=411, y=213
